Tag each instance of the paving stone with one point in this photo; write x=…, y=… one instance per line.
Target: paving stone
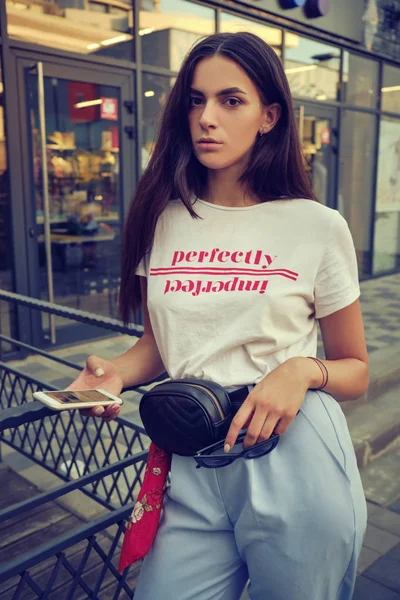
x=386, y=519
x=379, y=540
x=17, y=461
x=31, y=368
x=389, y=339
x=132, y=417
x=77, y=358
x=385, y=571
x=366, y=589
x=394, y=553
x=60, y=384
x=388, y=294
x=395, y=506
x=383, y=413
x=367, y=558
x=371, y=508
x=381, y=478
x=371, y=348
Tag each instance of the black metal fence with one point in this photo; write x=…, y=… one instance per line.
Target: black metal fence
x=104, y=461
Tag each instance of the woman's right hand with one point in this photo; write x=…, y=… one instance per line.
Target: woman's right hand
x=99, y=373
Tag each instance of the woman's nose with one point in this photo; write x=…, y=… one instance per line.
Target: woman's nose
x=208, y=117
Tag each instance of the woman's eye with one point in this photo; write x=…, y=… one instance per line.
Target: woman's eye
x=233, y=102
x=195, y=101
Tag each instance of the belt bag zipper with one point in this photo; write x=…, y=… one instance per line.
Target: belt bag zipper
x=213, y=397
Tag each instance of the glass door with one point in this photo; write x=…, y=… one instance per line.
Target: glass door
x=318, y=134
x=79, y=133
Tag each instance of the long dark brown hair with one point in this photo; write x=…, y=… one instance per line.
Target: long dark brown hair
x=276, y=168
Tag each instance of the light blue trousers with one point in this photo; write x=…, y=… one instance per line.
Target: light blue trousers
x=292, y=522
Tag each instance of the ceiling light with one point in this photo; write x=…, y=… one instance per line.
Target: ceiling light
x=393, y=88
x=149, y=94
x=115, y=40
x=298, y=69
x=146, y=31
x=93, y=46
x=88, y=103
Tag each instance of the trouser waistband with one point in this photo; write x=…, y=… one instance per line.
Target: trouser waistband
x=238, y=396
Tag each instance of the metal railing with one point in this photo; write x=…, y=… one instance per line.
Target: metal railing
x=103, y=460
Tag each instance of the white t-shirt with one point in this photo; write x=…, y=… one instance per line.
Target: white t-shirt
x=237, y=292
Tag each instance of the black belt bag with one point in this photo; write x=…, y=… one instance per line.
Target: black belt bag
x=185, y=415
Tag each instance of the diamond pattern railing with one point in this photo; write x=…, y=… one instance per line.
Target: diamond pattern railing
x=70, y=445
x=105, y=461
x=78, y=566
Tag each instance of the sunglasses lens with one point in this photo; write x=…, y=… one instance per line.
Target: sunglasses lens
x=262, y=448
x=214, y=462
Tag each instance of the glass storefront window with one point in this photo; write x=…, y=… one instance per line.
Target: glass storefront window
x=387, y=217
x=357, y=156
x=312, y=68
x=271, y=35
x=76, y=26
x=83, y=143
x=360, y=80
x=155, y=91
x=7, y=310
x=391, y=89
x=169, y=28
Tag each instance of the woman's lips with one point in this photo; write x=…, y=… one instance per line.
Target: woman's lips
x=208, y=145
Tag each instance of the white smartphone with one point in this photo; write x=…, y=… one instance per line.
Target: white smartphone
x=71, y=399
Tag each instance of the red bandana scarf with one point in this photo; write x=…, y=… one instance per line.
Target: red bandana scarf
x=143, y=523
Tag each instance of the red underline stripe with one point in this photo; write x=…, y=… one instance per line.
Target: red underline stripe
x=184, y=271
x=164, y=270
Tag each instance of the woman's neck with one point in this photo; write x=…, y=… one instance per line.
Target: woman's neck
x=225, y=189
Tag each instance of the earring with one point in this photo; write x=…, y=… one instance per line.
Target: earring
x=262, y=132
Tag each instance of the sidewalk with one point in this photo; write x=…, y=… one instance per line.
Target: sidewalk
x=374, y=427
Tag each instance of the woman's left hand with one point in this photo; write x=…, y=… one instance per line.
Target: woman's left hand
x=271, y=406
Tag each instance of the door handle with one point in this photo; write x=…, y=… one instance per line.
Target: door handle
x=45, y=192
x=130, y=132
x=129, y=105
x=301, y=123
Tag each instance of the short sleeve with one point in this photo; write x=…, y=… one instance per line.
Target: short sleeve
x=141, y=268
x=337, y=284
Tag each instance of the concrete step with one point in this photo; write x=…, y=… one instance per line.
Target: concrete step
x=381, y=481
x=384, y=374
x=374, y=419
x=375, y=426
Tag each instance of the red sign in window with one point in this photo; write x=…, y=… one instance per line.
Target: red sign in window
x=326, y=136
x=109, y=109
x=82, y=103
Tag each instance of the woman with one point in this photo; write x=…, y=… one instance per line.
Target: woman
x=237, y=264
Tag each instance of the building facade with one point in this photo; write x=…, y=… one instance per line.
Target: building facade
x=82, y=84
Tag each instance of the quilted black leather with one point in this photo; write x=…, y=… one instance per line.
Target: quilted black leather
x=183, y=419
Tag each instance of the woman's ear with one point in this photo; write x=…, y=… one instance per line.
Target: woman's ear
x=271, y=115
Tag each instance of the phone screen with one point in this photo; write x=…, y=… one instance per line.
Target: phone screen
x=78, y=396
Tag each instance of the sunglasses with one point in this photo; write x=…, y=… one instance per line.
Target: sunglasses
x=214, y=457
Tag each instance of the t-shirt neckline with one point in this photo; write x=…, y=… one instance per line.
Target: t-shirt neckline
x=230, y=208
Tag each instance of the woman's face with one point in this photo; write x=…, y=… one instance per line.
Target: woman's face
x=226, y=113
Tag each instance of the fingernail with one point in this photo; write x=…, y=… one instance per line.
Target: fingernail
x=98, y=411
x=115, y=408
x=227, y=448
x=99, y=372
